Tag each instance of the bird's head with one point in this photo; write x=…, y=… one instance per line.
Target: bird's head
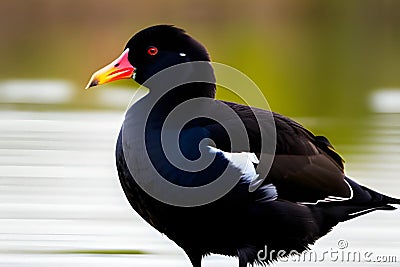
x=150, y=51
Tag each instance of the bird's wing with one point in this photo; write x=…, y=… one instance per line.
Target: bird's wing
x=305, y=167
x=200, y=164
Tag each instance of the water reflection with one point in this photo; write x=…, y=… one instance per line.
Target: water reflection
x=60, y=193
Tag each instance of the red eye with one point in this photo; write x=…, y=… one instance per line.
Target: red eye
x=152, y=51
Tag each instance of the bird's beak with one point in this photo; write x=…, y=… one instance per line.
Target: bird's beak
x=120, y=68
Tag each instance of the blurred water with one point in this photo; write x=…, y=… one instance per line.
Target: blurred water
x=59, y=192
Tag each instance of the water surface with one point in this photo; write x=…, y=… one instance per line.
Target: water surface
x=61, y=203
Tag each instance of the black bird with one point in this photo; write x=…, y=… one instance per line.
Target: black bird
x=304, y=194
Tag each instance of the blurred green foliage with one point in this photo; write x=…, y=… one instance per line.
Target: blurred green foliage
x=310, y=57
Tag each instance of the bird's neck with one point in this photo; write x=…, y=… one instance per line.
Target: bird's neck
x=168, y=101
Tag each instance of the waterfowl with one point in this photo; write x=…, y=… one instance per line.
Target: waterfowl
x=301, y=198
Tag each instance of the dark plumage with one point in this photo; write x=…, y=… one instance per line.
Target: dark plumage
x=285, y=213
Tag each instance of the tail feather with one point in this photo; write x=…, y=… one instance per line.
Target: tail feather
x=364, y=201
x=362, y=211
x=364, y=196
x=392, y=200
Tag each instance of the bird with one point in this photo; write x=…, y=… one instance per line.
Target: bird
x=302, y=196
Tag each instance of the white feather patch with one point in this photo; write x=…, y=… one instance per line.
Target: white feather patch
x=244, y=161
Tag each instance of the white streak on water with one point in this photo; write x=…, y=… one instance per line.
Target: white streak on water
x=35, y=91
x=386, y=100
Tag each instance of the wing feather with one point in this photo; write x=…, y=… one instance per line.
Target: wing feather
x=306, y=168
